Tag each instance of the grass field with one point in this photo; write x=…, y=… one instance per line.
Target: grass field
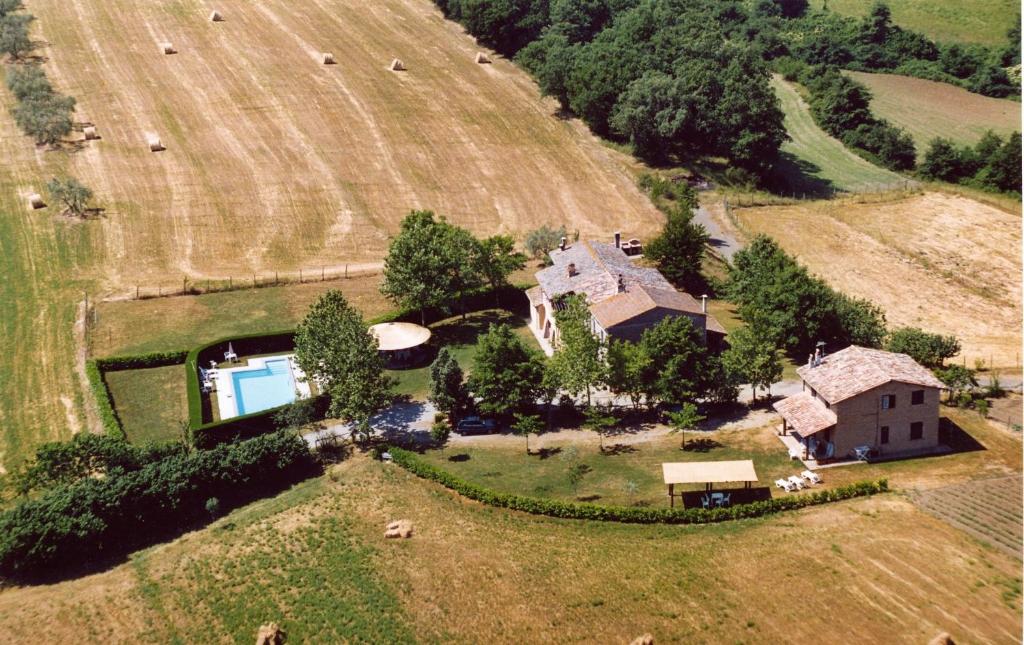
x=980, y=21
x=816, y=164
x=988, y=509
x=151, y=403
x=472, y=573
x=927, y=109
x=941, y=262
x=273, y=161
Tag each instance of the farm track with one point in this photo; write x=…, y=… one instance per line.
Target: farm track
x=990, y=510
x=273, y=161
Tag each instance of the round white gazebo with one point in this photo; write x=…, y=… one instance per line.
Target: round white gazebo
x=399, y=341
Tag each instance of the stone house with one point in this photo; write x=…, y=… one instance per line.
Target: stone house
x=624, y=298
x=861, y=397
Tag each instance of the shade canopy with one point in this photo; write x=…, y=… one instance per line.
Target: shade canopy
x=709, y=472
x=395, y=336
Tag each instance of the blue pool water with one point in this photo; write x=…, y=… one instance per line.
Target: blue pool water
x=265, y=388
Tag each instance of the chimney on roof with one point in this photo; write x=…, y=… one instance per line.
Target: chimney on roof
x=704, y=304
x=810, y=360
x=572, y=269
x=618, y=240
x=622, y=284
x=561, y=245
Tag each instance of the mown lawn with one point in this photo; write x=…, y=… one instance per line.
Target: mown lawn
x=151, y=403
x=816, y=164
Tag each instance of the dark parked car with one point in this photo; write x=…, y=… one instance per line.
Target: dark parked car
x=476, y=425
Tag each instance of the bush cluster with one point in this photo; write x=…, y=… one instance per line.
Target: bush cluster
x=992, y=164
x=40, y=111
x=105, y=516
x=580, y=511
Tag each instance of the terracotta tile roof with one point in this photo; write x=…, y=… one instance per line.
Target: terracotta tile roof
x=805, y=414
x=597, y=270
x=856, y=369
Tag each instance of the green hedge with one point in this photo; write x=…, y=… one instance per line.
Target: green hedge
x=108, y=415
x=97, y=367
x=554, y=508
x=142, y=361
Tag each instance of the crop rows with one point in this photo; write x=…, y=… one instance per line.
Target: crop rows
x=990, y=510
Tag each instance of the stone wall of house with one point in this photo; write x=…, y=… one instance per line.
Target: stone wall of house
x=861, y=418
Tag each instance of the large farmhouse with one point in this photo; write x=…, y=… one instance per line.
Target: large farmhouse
x=624, y=298
x=861, y=400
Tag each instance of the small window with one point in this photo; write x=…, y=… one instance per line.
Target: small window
x=916, y=430
x=917, y=397
x=883, y=435
x=888, y=401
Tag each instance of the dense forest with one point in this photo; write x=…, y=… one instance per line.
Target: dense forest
x=683, y=78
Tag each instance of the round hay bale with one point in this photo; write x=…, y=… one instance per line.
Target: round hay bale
x=270, y=634
x=215, y=16
x=398, y=529
x=90, y=133
x=482, y=58
x=35, y=201
x=397, y=66
x=329, y=58
x=646, y=639
x=154, y=143
x=942, y=639
x=168, y=48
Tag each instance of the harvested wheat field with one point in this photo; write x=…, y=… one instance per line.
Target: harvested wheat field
x=927, y=109
x=940, y=262
x=271, y=161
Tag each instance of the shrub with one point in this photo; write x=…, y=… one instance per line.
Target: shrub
x=581, y=511
x=981, y=405
x=108, y=416
x=92, y=520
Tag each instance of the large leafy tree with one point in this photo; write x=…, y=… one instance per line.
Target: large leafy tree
x=334, y=346
x=498, y=259
x=930, y=350
x=506, y=376
x=447, y=390
x=753, y=357
x=578, y=360
x=14, y=37
x=679, y=249
x=73, y=194
x=677, y=354
x=628, y=366
x=430, y=263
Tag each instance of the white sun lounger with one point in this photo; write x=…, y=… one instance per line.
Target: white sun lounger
x=797, y=482
x=811, y=477
x=785, y=485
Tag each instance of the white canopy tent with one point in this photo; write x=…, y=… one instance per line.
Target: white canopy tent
x=707, y=473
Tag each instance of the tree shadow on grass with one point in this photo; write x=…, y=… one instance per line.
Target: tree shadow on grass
x=799, y=178
x=617, y=449
x=466, y=332
x=547, y=453
x=459, y=458
x=702, y=445
x=588, y=498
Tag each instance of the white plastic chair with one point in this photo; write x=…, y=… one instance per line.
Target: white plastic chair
x=725, y=499
x=812, y=477
x=704, y=501
x=797, y=482
x=784, y=485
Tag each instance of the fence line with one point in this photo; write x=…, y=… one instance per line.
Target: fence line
x=256, y=280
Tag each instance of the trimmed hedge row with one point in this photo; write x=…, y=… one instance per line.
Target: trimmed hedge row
x=581, y=511
x=97, y=367
x=108, y=416
x=141, y=361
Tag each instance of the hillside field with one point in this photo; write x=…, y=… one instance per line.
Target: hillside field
x=941, y=262
x=817, y=164
x=979, y=21
x=314, y=560
x=926, y=109
x=273, y=161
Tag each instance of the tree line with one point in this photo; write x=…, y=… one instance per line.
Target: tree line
x=97, y=498
x=40, y=111
x=993, y=163
x=678, y=78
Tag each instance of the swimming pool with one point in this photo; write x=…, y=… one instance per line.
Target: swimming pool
x=263, y=388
